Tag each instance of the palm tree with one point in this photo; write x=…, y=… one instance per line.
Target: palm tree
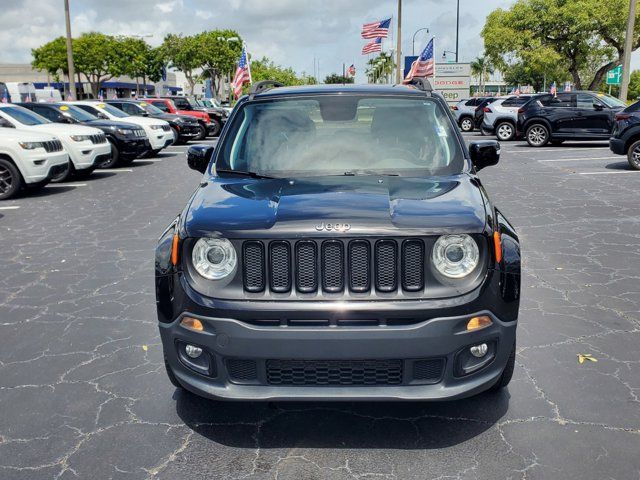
x=482, y=69
x=380, y=68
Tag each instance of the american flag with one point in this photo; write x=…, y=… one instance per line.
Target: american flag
x=554, y=89
x=5, y=98
x=424, y=65
x=243, y=73
x=375, y=46
x=351, y=71
x=376, y=29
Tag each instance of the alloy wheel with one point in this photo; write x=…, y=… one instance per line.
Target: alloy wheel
x=466, y=125
x=505, y=131
x=537, y=135
x=6, y=180
x=634, y=158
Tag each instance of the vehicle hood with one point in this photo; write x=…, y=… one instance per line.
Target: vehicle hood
x=8, y=134
x=64, y=129
x=109, y=123
x=370, y=205
x=145, y=121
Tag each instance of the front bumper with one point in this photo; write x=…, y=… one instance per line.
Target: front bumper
x=253, y=336
x=132, y=148
x=87, y=155
x=160, y=139
x=40, y=166
x=189, y=131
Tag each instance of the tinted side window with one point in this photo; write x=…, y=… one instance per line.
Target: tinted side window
x=46, y=112
x=130, y=109
x=87, y=108
x=472, y=103
x=562, y=100
x=515, y=101
x=161, y=105
x=587, y=101
x=182, y=104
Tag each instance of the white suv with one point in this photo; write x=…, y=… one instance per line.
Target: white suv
x=464, y=111
x=159, y=132
x=501, y=116
x=28, y=159
x=87, y=146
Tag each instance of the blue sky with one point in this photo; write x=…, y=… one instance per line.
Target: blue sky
x=291, y=32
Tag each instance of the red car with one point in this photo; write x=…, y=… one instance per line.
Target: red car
x=167, y=106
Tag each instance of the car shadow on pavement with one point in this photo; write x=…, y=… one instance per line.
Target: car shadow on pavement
x=96, y=175
x=379, y=425
x=46, y=191
x=619, y=166
x=566, y=145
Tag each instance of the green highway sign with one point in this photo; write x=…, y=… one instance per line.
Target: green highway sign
x=614, y=76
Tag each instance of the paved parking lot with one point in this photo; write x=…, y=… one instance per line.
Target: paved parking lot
x=83, y=393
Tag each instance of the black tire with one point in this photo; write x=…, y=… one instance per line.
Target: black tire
x=10, y=179
x=64, y=175
x=115, y=157
x=505, y=131
x=176, y=136
x=172, y=378
x=507, y=373
x=466, y=124
x=485, y=132
x=202, y=133
x=633, y=155
x=557, y=143
x=537, y=135
x=215, y=128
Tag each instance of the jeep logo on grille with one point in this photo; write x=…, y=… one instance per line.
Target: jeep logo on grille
x=333, y=227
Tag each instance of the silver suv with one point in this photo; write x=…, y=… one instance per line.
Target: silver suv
x=501, y=116
x=464, y=110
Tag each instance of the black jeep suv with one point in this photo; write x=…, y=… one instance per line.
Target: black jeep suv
x=625, y=139
x=579, y=115
x=184, y=128
x=128, y=141
x=339, y=245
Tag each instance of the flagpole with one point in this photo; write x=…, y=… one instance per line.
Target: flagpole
x=244, y=45
x=434, y=62
x=399, y=44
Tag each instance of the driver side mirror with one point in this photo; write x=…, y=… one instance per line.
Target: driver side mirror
x=598, y=107
x=199, y=156
x=102, y=116
x=6, y=123
x=484, y=153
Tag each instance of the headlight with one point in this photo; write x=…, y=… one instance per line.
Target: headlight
x=31, y=145
x=455, y=256
x=156, y=127
x=214, y=258
x=80, y=138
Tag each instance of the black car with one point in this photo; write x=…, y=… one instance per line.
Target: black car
x=128, y=141
x=625, y=139
x=478, y=114
x=339, y=245
x=218, y=115
x=579, y=115
x=184, y=128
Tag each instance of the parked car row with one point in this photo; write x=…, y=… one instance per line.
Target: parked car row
x=543, y=119
x=53, y=141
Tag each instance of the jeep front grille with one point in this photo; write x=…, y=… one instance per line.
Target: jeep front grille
x=53, y=146
x=334, y=266
x=98, y=138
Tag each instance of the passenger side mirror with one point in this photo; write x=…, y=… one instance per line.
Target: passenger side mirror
x=102, y=116
x=598, y=107
x=484, y=153
x=199, y=156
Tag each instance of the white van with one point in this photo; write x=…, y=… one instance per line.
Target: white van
x=21, y=91
x=48, y=94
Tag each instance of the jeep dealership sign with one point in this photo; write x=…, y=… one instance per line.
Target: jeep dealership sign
x=452, y=79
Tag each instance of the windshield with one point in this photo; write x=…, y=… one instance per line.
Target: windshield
x=24, y=116
x=610, y=101
x=77, y=113
x=342, y=135
x=150, y=109
x=111, y=110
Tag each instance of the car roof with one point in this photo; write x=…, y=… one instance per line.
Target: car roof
x=340, y=88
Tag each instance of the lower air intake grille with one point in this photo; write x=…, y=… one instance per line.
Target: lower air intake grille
x=242, y=370
x=334, y=372
x=428, y=370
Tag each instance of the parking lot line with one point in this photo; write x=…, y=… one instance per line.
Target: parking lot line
x=580, y=159
x=153, y=159
x=60, y=185
x=609, y=173
x=10, y=207
x=115, y=170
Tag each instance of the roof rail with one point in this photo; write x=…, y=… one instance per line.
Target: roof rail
x=263, y=86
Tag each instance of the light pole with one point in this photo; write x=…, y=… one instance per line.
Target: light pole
x=457, y=27
x=628, y=47
x=413, y=39
x=444, y=55
x=399, y=45
x=70, y=67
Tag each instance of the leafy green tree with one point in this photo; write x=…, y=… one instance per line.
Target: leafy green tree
x=482, y=69
x=543, y=37
x=96, y=56
x=51, y=57
x=335, y=78
x=380, y=68
x=184, y=54
x=634, y=85
x=220, y=50
x=265, y=69
x=139, y=61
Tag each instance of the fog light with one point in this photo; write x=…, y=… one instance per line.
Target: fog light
x=477, y=351
x=478, y=322
x=195, y=352
x=192, y=324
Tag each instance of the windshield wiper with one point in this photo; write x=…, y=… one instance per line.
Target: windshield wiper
x=242, y=173
x=351, y=173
